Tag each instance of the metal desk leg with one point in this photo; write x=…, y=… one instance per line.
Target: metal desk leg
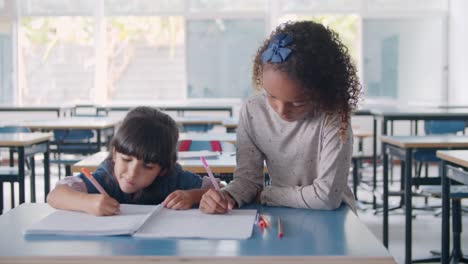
x=21, y=172
x=33, y=179
x=408, y=209
x=385, y=195
x=1, y=197
x=46, y=172
x=374, y=161
x=445, y=213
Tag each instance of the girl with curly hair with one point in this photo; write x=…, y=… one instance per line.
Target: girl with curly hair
x=299, y=125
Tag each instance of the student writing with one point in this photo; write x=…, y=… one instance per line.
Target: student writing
x=141, y=169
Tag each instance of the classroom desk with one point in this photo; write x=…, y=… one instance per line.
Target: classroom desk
x=454, y=166
x=231, y=124
x=60, y=110
x=388, y=114
x=403, y=147
x=181, y=106
x=223, y=137
x=310, y=236
x=103, y=126
x=224, y=164
x=199, y=120
x=27, y=144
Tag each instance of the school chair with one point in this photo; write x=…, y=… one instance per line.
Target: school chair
x=212, y=145
x=433, y=128
x=88, y=111
x=10, y=174
x=72, y=142
x=357, y=163
x=195, y=128
x=426, y=156
x=457, y=193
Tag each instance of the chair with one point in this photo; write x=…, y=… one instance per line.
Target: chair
x=10, y=174
x=211, y=145
x=214, y=145
x=433, y=128
x=357, y=163
x=195, y=127
x=76, y=141
x=457, y=192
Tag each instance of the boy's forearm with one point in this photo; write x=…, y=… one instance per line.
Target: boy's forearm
x=65, y=198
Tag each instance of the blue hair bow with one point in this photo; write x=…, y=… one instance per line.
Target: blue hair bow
x=277, y=51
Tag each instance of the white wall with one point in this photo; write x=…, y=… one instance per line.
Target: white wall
x=458, y=52
x=420, y=56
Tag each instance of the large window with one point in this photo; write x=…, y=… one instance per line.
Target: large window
x=220, y=55
x=56, y=59
x=117, y=50
x=403, y=57
x=145, y=58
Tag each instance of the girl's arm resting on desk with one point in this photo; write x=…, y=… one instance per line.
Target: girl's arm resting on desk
x=328, y=188
x=68, y=198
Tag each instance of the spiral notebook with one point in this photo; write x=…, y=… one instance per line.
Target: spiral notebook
x=148, y=221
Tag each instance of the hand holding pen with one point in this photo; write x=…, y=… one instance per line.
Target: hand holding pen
x=101, y=204
x=215, y=201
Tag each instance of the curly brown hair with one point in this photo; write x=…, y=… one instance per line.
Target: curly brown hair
x=320, y=63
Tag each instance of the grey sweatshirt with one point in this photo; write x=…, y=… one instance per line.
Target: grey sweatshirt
x=307, y=162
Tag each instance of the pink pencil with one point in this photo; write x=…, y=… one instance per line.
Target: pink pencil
x=210, y=175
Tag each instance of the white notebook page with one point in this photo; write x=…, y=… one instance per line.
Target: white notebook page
x=62, y=222
x=166, y=223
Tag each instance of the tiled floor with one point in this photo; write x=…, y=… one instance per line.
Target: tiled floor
x=426, y=226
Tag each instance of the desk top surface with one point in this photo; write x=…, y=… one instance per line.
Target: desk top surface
x=22, y=139
x=431, y=141
x=418, y=112
x=459, y=157
x=35, y=108
x=72, y=123
x=307, y=234
x=224, y=163
x=212, y=120
x=229, y=137
x=181, y=104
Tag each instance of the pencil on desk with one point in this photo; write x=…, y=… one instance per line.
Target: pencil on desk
x=280, y=228
x=93, y=181
x=264, y=220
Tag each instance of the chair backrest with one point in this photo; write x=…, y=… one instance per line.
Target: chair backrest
x=13, y=129
x=75, y=135
x=443, y=127
x=196, y=145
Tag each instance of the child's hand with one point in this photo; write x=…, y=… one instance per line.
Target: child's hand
x=179, y=200
x=212, y=202
x=102, y=205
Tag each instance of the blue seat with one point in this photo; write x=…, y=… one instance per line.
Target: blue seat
x=437, y=127
x=10, y=174
x=73, y=141
x=13, y=129
x=196, y=128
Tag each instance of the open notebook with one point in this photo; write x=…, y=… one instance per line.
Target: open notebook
x=149, y=221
